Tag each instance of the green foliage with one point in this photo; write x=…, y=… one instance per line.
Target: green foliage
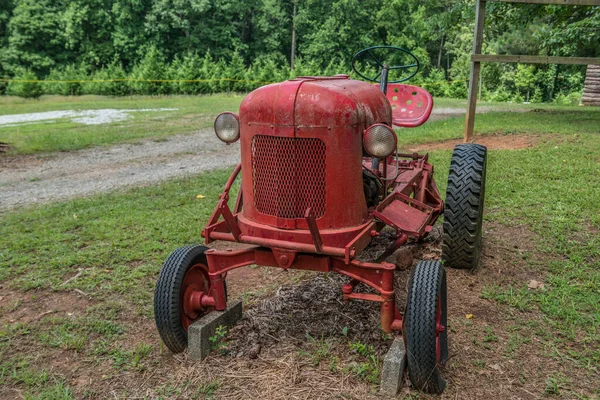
x=65, y=81
x=24, y=85
x=368, y=368
x=200, y=46
x=217, y=341
x=107, y=81
x=320, y=349
x=572, y=99
x=151, y=67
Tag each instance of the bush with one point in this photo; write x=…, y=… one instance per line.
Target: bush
x=25, y=85
x=500, y=95
x=189, y=68
x=572, y=99
x=436, y=83
x=108, y=81
x=458, y=90
x=151, y=68
x=69, y=78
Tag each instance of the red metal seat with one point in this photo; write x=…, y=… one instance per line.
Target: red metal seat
x=411, y=105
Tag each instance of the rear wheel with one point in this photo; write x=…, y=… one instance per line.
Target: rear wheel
x=463, y=211
x=184, y=272
x=424, y=327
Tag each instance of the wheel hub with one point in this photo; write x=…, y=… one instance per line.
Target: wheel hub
x=195, y=301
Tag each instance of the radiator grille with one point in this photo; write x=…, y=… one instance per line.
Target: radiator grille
x=288, y=175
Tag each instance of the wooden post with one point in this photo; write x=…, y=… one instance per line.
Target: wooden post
x=477, y=58
x=293, y=52
x=475, y=71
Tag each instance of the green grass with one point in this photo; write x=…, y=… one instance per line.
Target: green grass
x=119, y=240
x=538, y=120
x=194, y=113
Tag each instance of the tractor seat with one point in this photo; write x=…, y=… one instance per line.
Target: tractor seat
x=411, y=105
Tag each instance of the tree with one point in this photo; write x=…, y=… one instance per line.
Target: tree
x=35, y=39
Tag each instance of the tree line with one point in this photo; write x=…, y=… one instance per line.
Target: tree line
x=209, y=46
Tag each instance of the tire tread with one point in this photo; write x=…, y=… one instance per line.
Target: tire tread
x=167, y=313
x=463, y=211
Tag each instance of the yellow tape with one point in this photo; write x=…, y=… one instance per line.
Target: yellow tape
x=177, y=80
x=129, y=80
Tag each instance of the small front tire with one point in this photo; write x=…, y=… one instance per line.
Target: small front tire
x=425, y=326
x=185, y=268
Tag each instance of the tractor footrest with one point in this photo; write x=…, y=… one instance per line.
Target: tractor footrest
x=404, y=213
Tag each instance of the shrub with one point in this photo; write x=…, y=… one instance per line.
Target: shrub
x=108, y=81
x=25, y=84
x=572, y=99
x=65, y=81
x=151, y=68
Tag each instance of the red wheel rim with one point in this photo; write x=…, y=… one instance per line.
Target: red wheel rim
x=195, y=285
x=439, y=330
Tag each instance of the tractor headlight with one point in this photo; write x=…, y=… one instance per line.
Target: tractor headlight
x=227, y=127
x=380, y=140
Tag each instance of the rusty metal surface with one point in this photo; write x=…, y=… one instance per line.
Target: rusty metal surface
x=333, y=111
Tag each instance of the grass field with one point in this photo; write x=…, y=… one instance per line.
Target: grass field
x=542, y=222
x=192, y=114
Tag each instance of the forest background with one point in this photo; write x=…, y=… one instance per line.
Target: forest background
x=159, y=47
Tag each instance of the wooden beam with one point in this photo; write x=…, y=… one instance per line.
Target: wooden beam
x=475, y=71
x=505, y=58
x=559, y=2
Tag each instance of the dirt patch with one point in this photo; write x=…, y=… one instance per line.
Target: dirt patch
x=492, y=142
x=253, y=283
x=35, y=305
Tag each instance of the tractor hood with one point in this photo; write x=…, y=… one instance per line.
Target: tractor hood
x=316, y=102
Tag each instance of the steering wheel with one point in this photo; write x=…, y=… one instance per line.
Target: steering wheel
x=368, y=54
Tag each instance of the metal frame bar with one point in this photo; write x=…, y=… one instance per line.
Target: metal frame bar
x=505, y=58
x=477, y=58
x=379, y=276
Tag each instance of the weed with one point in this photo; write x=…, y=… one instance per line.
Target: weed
x=207, y=390
x=58, y=391
x=515, y=341
x=554, y=385
x=490, y=335
x=368, y=368
x=321, y=349
x=217, y=341
x=521, y=298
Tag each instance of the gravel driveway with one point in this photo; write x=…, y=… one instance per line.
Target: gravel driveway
x=34, y=179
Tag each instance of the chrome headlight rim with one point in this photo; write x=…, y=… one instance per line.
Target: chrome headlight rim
x=234, y=128
x=377, y=135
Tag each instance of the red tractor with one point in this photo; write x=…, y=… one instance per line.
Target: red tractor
x=321, y=177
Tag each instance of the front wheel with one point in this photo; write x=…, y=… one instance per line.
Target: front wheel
x=425, y=326
x=184, y=272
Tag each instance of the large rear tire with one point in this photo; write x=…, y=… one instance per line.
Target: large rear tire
x=185, y=267
x=424, y=329
x=463, y=211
